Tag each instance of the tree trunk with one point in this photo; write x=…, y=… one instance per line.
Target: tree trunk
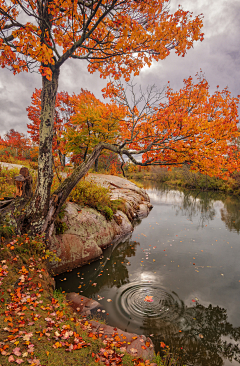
x=62, y=158
x=96, y=165
x=37, y=209
x=85, y=154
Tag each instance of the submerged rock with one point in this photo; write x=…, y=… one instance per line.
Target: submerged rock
x=82, y=304
x=89, y=231
x=134, y=344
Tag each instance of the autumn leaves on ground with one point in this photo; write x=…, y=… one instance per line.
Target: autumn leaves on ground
x=37, y=325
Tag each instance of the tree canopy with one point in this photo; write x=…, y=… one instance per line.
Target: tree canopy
x=116, y=37
x=15, y=140
x=172, y=128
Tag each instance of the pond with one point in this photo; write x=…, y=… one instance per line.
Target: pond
x=185, y=256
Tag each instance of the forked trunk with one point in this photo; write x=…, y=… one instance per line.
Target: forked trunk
x=36, y=215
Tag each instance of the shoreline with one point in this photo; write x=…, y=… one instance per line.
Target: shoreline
x=89, y=232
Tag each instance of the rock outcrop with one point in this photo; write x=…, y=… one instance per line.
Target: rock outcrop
x=89, y=231
x=134, y=344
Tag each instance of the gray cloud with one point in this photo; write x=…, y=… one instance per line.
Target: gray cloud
x=218, y=56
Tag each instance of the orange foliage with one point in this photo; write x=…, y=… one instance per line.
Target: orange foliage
x=191, y=127
x=17, y=141
x=92, y=122
x=117, y=37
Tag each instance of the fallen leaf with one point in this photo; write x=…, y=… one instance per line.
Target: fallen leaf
x=19, y=361
x=148, y=299
x=133, y=350
x=16, y=351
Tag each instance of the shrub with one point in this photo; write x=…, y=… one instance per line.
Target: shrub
x=107, y=211
x=90, y=194
x=61, y=227
x=7, y=184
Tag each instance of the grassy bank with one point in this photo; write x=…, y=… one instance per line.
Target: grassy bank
x=183, y=177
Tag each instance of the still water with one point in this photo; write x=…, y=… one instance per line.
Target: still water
x=186, y=255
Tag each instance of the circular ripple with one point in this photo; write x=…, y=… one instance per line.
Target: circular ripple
x=165, y=306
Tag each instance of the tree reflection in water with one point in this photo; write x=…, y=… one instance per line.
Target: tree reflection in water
x=230, y=214
x=201, y=204
x=114, y=262
x=201, y=336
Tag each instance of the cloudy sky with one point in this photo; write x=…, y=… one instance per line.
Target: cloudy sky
x=218, y=56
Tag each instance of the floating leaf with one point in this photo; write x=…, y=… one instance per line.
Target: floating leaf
x=148, y=299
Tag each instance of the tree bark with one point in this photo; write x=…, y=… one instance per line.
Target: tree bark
x=37, y=209
x=62, y=158
x=96, y=165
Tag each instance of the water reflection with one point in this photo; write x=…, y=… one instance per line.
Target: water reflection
x=197, y=204
x=230, y=214
x=202, y=337
x=111, y=270
x=201, y=204
x=189, y=268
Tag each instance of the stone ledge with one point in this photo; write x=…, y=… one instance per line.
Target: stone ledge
x=134, y=344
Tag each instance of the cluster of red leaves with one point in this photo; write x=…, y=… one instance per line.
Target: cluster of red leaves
x=15, y=140
x=112, y=342
x=63, y=112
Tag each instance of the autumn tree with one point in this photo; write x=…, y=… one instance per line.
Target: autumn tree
x=108, y=160
x=62, y=114
x=91, y=123
x=115, y=37
x=174, y=128
x=16, y=141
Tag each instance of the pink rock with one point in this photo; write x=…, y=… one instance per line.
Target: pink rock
x=89, y=231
